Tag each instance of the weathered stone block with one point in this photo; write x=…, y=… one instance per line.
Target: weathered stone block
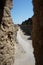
x=6, y=34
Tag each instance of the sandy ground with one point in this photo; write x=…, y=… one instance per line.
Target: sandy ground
x=23, y=50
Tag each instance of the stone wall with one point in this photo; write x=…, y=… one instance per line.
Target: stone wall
x=37, y=32
x=6, y=34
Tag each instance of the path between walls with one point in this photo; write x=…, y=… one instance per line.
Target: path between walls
x=23, y=50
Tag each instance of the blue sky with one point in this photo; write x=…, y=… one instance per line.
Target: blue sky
x=22, y=10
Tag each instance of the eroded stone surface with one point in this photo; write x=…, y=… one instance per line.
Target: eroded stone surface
x=6, y=35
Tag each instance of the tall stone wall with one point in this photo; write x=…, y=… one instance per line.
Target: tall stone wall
x=6, y=34
x=37, y=33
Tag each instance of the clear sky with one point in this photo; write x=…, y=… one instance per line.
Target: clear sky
x=22, y=10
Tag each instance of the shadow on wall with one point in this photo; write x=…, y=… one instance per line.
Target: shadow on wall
x=2, y=4
x=26, y=27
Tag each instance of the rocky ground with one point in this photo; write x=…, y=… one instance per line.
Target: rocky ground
x=23, y=49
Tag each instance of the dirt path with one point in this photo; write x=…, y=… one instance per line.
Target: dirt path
x=23, y=50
